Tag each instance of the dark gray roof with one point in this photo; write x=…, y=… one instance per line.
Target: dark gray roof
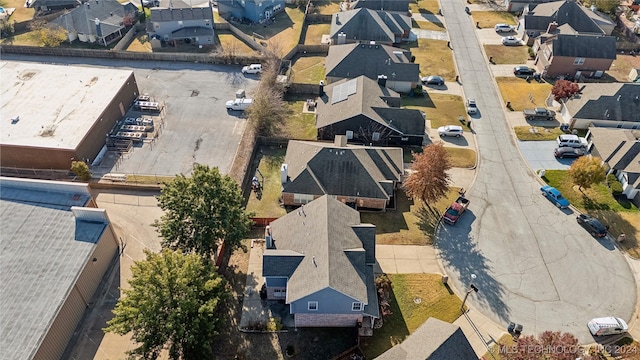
x=620, y=149
x=324, y=168
x=82, y=19
x=368, y=100
x=585, y=46
x=353, y=60
x=44, y=249
x=160, y=14
x=433, y=340
x=562, y=12
x=606, y=101
x=54, y=3
x=386, y=5
x=333, y=254
x=369, y=25
x=192, y=31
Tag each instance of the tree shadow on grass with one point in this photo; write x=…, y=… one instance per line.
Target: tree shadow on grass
x=428, y=219
x=393, y=331
x=589, y=204
x=390, y=221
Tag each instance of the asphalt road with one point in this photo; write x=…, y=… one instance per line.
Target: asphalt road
x=534, y=264
x=197, y=128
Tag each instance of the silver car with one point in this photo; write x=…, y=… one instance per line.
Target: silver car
x=472, y=107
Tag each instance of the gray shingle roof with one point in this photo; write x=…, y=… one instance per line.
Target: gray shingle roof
x=181, y=14
x=606, y=101
x=82, y=19
x=333, y=254
x=386, y=5
x=323, y=168
x=44, y=249
x=620, y=149
x=369, y=25
x=353, y=60
x=562, y=12
x=54, y=3
x=585, y=46
x=433, y=340
x=368, y=100
x=192, y=31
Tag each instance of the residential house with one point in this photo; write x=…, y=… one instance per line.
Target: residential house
x=634, y=75
x=253, y=10
x=363, y=177
x=175, y=21
x=536, y=19
x=349, y=61
x=366, y=25
x=367, y=113
x=603, y=105
x=516, y=6
x=574, y=56
x=51, y=5
x=98, y=21
x=433, y=340
x=319, y=260
x=619, y=150
x=401, y=6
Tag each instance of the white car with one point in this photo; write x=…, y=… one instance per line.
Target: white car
x=472, y=107
x=252, y=69
x=504, y=28
x=450, y=130
x=239, y=104
x=511, y=41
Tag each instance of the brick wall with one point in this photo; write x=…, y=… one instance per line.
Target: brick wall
x=327, y=320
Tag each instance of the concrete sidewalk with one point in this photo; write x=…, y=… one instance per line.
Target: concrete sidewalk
x=481, y=332
x=406, y=259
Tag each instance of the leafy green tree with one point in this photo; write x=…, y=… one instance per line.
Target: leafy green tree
x=586, y=171
x=202, y=211
x=429, y=180
x=81, y=169
x=173, y=303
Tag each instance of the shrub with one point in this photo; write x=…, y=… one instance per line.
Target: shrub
x=532, y=55
x=614, y=184
x=274, y=324
x=81, y=169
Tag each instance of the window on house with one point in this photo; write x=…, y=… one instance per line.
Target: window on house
x=547, y=53
x=376, y=136
x=349, y=134
x=302, y=198
x=578, y=61
x=206, y=22
x=312, y=305
x=280, y=293
x=356, y=306
x=180, y=22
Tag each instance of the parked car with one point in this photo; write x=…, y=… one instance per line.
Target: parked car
x=539, y=113
x=472, y=107
x=523, y=70
x=239, y=104
x=571, y=140
x=554, y=196
x=511, y=41
x=504, y=28
x=450, y=130
x=592, y=225
x=252, y=69
x=607, y=326
x=567, y=152
x=433, y=80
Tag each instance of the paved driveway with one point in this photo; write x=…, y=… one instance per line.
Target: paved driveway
x=534, y=264
x=539, y=155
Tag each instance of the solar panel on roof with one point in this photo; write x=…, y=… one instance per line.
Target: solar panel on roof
x=351, y=86
x=342, y=91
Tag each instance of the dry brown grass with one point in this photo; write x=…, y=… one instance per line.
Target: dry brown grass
x=507, y=54
x=434, y=57
x=424, y=6
x=440, y=109
x=140, y=44
x=21, y=13
x=460, y=157
x=326, y=6
x=517, y=91
x=622, y=65
x=315, y=32
x=285, y=31
x=308, y=70
x=429, y=25
x=489, y=19
x=230, y=42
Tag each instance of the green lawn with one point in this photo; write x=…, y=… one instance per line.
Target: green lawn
x=434, y=57
x=440, y=109
x=407, y=315
x=270, y=158
x=314, y=33
x=489, y=19
x=308, y=69
x=428, y=25
x=537, y=133
x=621, y=216
x=300, y=126
x=517, y=91
x=410, y=223
x=507, y=54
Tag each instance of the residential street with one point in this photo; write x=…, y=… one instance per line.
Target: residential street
x=534, y=264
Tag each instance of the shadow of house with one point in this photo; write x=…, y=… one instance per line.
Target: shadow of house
x=52, y=5
x=619, y=150
x=401, y=6
x=349, y=61
x=177, y=21
x=433, y=340
x=603, y=105
x=97, y=21
x=367, y=113
x=365, y=25
x=254, y=10
x=360, y=176
x=320, y=260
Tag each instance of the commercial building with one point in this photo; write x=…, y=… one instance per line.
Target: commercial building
x=56, y=248
x=55, y=114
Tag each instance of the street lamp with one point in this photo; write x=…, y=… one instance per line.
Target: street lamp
x=472, y=287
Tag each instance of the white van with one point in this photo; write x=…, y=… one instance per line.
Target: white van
x=252, y=69
x=571, y=140
x=607, y=326
x=239, y=104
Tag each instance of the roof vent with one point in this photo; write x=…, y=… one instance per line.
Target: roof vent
x=15, y=119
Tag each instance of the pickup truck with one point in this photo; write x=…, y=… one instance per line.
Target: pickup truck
x=539, y=114
x=239, y=104
x=456, y=209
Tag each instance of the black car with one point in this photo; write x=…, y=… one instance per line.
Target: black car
x=523, y=70
x=568, y=152
x=593, y=225
x=433, y=80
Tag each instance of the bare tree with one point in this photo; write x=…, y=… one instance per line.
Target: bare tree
x=550, y=345
x=429, y=180
x=268, y=110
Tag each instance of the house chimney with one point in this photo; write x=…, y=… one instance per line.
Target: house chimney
x=382, y=80
x=268, y=238
x=340, y=141
x=98, y=28
x=552, y=27
x=284, y=174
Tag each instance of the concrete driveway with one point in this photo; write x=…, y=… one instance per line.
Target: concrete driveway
x=533, y=264
x=539, y=155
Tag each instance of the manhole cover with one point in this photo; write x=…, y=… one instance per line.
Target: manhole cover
x=417, y=300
